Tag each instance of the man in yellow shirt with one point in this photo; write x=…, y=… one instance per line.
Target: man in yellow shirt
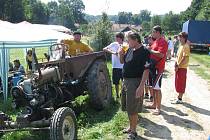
x=75, y=46
x=181, y=65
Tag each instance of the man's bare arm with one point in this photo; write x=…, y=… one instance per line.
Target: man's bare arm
x=140, y=89
x=109, y=51
x=183, y=61
x=157, y=53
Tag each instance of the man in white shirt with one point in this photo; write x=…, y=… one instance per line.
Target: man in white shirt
x=113, y=49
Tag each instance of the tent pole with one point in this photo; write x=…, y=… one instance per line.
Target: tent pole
x=4, y=73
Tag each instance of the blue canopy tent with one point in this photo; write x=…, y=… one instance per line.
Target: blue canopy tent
x=14, y=36
x=4, y=55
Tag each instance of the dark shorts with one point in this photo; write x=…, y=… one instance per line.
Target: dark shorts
x=155, y=79
x=116, y=75
x=129, y=102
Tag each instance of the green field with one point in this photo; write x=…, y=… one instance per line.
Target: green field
x=200, y=63
x=20, y=54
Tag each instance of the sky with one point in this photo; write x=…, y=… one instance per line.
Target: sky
x=112, y=7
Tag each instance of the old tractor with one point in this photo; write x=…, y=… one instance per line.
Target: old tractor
x=43, y=98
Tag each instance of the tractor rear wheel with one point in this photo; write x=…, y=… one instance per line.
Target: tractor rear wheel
x=99, y=85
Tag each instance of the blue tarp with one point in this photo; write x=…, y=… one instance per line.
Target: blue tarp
x=198, y=31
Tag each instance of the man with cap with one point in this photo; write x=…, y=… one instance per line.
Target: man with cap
x=75, y=46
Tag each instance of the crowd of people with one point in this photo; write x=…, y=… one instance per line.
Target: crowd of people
x=141, y=67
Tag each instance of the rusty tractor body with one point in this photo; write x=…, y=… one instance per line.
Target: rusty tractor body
x=45, y=96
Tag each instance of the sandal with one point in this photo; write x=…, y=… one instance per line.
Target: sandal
x=132, y=135
x=127, y=130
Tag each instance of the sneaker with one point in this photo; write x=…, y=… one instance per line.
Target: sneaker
x=177, y=102
x=132, y=136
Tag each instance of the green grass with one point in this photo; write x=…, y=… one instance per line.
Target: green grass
x=104, y=124
x=203, y=59
x=200, y=63
x=20, y=54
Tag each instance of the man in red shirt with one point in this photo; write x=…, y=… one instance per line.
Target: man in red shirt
x=158, y=56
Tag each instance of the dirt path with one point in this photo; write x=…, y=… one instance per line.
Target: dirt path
x=188, y=121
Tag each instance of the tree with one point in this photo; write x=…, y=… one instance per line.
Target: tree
x=193, y=10
x=103, y=35
x=75, y=8
x=27, y=9
x=145, y=15
x=124, y=17
x=40, y=12
x=53, y=12
x=65, y=15
x=91, y=18
x=156, y=20
x=171, y=22
x=204, y=12
x=78, y=11
x=2, y=3
x=136, y=19
x=12, y=10
x=113, y=18
x=146, y=26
